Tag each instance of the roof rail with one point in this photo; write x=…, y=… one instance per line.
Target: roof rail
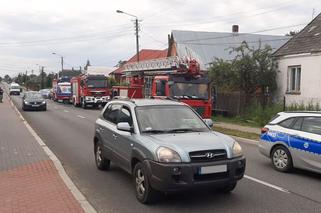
x=312, y=112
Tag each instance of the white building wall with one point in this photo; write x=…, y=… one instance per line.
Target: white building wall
x=310, y=91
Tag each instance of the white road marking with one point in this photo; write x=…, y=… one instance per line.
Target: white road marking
x=66, y=110
x=79, y=116
x=87, y=207
x=267, y=184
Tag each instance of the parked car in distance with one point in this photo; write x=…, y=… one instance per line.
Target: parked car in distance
x=293, y=139
x=166, y=147
x=45, y=93
x=33, y=101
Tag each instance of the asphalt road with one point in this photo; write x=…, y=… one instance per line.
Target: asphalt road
x=68, y=132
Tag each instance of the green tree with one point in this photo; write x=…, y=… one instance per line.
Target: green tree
x=7, y=79
x=250, y=70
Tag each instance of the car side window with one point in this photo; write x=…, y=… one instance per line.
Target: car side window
x=125, y=116
x=298, y=123
x=111, y=113
x=312, y=125
x=287, y=123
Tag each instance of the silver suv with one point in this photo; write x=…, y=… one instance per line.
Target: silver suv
x=166, y=146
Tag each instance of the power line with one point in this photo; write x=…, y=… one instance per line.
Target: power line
x=232, y=35
x=86, y=35
x=210, y=21
x=250, y=42
x=60, y=41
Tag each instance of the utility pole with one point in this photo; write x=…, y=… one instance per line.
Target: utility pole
x=42, y=83
x=62, y=63
x=136, y=30
x=137, y=38
x=26, y=78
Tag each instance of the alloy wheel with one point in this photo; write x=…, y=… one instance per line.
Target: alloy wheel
x=280, y=159
x=98, y=155
x=140, y=182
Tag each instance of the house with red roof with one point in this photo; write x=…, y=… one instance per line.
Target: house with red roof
x=144, y=54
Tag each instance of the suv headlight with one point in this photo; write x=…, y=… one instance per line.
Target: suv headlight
x=166, y=155
x=237, y=149
x=44, y=102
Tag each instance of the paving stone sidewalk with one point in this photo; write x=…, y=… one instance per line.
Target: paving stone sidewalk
x=29, y=181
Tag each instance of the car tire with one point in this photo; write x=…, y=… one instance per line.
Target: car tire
x=143, y=190
x=281, y=159
x=102, y=163
x=44, y=109
x=228, y=188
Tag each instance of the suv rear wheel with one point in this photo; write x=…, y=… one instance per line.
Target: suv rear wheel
x=144, y=192
x=281, y=159
x=101, y=162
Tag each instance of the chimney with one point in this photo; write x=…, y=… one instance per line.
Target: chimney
x=235, y=28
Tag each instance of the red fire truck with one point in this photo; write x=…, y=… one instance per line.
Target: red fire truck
x=171, y=78
x=89, y=90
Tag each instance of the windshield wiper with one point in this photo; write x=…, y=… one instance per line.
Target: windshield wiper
x=154, y=131
x=182, y=130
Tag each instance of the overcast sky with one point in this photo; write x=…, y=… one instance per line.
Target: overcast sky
x=79, y=30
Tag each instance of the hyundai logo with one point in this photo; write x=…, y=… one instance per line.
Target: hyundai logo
x=209, y=155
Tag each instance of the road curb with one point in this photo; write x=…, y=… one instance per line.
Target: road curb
x=81, y=199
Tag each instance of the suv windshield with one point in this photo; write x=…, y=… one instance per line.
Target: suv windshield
x=151, y=119
x=189, y=90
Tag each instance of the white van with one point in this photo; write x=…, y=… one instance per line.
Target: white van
x=14, y=89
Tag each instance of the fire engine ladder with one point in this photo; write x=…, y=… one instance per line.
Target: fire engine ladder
x=160, y=66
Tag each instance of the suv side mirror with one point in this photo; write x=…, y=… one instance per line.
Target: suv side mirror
x=209, y=122
x=124, y=126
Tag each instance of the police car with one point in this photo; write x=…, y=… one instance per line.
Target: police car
x=293, y=139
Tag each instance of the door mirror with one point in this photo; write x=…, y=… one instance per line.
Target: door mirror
x=209, y=122
x=124, y=126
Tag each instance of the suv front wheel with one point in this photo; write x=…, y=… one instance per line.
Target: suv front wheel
x=144, y=192
x=101, y=162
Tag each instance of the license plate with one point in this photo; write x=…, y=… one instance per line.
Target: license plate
x=35, y=105
x=212, y=169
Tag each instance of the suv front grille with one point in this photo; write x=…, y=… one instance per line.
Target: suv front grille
x=208, y=155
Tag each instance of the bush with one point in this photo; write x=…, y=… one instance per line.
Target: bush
x=301, y=107
x=262, y=115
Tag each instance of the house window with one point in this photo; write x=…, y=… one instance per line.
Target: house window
x=294, y=79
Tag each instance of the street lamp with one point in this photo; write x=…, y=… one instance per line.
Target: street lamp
x=136, y=30
x=62, y=62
